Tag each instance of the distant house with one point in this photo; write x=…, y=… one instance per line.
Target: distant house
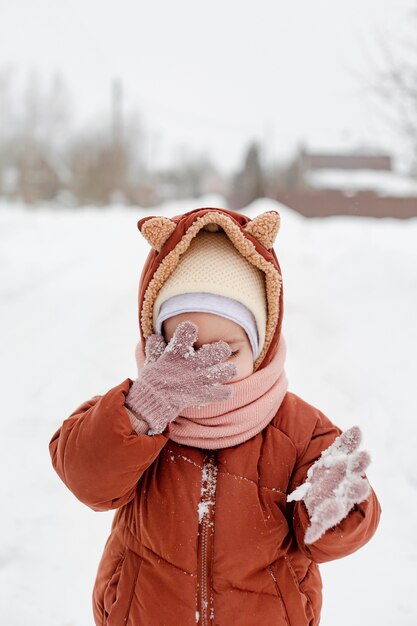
x=354, y=161
x=356, y=183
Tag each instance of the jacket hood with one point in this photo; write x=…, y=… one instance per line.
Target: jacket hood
x=170, y=238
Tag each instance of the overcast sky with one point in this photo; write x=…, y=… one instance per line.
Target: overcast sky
x=212, y=75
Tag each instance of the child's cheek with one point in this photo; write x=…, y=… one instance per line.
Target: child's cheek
x=244, y=365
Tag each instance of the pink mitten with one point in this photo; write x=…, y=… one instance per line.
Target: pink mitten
x=176, y=376
x=334, y=484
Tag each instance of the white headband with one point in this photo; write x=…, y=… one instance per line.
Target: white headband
x=204, y=302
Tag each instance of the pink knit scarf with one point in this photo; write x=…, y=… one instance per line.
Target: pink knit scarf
x=253, y=404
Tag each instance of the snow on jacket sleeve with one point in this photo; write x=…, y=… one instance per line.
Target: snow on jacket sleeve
x=97, y=453
x=352, y=532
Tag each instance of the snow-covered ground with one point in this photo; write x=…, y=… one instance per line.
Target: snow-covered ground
x=68, y=281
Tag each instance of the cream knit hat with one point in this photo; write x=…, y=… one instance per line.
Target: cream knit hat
x=212, y=264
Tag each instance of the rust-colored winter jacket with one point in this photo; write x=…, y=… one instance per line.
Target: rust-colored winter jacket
x=245, y=563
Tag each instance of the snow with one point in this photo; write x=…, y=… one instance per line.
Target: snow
x=207, y=491
x=300, y=492
x=385, y=183
x=203, y=509
x=190, y=352
x=68, y=286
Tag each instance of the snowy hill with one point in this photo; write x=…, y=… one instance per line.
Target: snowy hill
x=68, y=291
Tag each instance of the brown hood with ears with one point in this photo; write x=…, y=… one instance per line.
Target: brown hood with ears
x=171, y=237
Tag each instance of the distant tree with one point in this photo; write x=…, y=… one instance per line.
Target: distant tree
x=282, y=176
x=102, y=157
x=249, y=183
x=192, y=176
x=33, y=130
x=394, y=84
x=58, y=111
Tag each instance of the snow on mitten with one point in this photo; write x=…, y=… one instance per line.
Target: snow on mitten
x=334, y=484
x=176, y=376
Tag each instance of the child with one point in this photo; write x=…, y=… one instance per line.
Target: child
x=229, y=489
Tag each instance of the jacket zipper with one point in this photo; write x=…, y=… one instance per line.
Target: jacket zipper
x=279, y=595
x=205, y=609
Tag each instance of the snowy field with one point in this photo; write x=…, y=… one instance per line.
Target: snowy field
x=68, y=281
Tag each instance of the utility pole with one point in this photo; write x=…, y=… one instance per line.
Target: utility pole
x=116, y=112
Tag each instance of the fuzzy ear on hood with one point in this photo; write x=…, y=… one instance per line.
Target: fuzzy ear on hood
x=157, y=230
x=265, y=228
x=253, y=239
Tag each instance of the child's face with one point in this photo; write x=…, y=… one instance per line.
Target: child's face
x=213, y=328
